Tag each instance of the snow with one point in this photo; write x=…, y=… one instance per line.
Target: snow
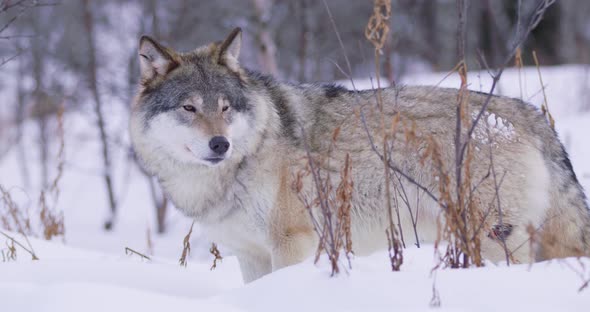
x=68, y=279
x=88, y=270
x=492, y=126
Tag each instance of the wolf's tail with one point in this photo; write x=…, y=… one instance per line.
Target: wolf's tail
x=566, y=230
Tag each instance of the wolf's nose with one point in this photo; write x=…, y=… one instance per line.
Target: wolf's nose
x=219, y=144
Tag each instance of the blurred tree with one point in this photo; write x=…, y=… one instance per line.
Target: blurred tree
x=92, y=71
x=68, y=53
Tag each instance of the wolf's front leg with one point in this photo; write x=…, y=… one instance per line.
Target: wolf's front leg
x=293, y=247
x=291, y=232
x=254, y=267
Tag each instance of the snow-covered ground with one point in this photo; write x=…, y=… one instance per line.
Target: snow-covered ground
x=69, y=279
x=89, y=271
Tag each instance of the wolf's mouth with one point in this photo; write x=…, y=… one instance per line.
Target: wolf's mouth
x=214, y=160
x=207, y=160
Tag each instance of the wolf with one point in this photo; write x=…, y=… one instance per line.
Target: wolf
x=227, y=143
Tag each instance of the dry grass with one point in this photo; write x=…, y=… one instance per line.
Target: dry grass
x=518, y=63
x=463, y=217
x=216, y=254
x=52, y=221
x=50, y=218
x=186, y=246
x=8, y=254
x=545, y=105
x=12, y=250
x=13, y=218
x=376, y=32
x=330, y=213
x=329, y=208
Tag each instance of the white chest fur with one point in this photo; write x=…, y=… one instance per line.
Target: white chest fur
x=233, y=205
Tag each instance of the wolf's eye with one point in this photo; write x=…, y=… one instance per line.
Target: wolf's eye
x=225, y=108
x=189, y=108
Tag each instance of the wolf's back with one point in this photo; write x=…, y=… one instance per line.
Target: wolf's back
x=562, y=225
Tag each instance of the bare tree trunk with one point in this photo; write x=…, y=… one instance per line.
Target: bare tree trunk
x=43, y=147
x=20, y=119
x=266, y=45
x=492, y=39
x=93, y=85
x=153, y=7
x=303, y=39
x=429, y=11
x=158, y=198
x=39, y=104
x=567, y=31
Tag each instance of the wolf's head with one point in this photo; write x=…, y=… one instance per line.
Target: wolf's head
x=193, y=106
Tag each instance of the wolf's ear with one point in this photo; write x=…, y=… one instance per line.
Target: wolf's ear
x=154, y=59
x=229, y=50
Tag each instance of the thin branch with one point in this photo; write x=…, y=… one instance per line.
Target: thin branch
x=215, y=252
x=23, y=8
x=498, y=201
x=13, y=19
x=322, y=198
x=333, y=22
x=545, y=105
x=363, y=118
x=10, y=37
x=30, y=251
x=6, y=5
x=129, y=251
x=519, y=39
x=4, y=61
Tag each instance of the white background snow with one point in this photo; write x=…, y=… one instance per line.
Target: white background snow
x=89, y=271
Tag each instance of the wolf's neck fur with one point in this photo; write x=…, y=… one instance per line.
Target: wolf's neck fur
x=297, y=107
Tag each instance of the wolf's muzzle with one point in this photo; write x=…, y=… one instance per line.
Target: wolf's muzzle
x=219, y=145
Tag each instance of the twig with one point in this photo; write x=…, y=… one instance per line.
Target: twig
x=13, y=19
x=10, y=37
x=518, y=63
x=4, y=61
x=463, y=99
x=581, y=273
x=215, y=252
x=497, y=195
x=14, y=212
x=30, y=251
x=186, y=249
x=391, y=165
x=328, y=239
x=129, y=251
x=6, y=5
x=23, y=8
x=10, y=254
x=518, y=40
x=489, y=210
x=376, y=32
x=545, y=105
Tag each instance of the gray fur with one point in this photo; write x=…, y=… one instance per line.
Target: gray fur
x=247, y=204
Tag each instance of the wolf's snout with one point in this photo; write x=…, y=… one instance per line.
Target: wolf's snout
x=219, y=144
